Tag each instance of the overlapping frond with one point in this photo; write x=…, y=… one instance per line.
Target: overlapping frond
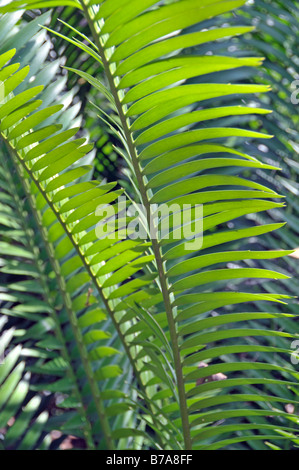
x=146, y=70
x=90, y=336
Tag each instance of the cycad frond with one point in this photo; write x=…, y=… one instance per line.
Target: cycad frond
x=176, y=341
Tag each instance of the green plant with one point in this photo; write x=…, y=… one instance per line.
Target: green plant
x=134, y=322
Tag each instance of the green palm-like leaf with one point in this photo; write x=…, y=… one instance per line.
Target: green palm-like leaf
x=161, y=317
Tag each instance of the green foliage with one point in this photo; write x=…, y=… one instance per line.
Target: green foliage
x=143, y=343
